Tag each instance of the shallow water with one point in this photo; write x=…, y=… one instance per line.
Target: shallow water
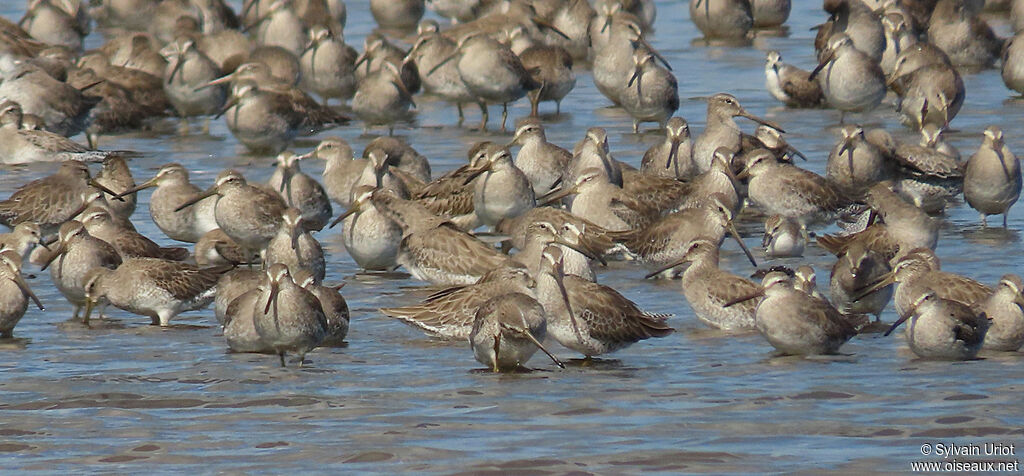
x=128, y=397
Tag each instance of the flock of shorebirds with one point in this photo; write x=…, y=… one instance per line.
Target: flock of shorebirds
x=563, y=211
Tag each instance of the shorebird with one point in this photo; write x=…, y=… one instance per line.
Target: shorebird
x=248, y=214
x=722, y=19
x=281, y=65
x=507, y=331
x=850, y=80
x=783, y=237
x=128, y=242
x=76, y=255
x=216, y=248
x=805, y=280
x=64, y=109
x=379, y=174
x=398, y=15
x=377, y=50
x=153, y=287
x=789, y=84
x=1012, y=68
x=590, y=318
x=899, y=36
x=502, y=190
x=770, y=13
x=341, y=170
x=592, y=152
x=172, y=189
x=613, y=39
x=576, y=256
x=230, y=286
x=287, y=317
x=931, y=94
x=573, y=20
x=187, y=70
x=492, y=72
x=14, y=293
x=22, y=239
x=450, y=312
x=434, y=250
x=719, y=179
x=51, y=200
x=382, y=98
x=401, y=155
x=262, y=121
x=239, y=326
x=957, y=30
x=854, y=163
x=857, y=268
x=295, y=247
x=668, y=239
x=943, y=329
x=1005, y=309
x=590, y=236
x=931, y=158
x=992, y=178
x=51, y=22
x=721, y=129
x=301, y=191
x=551, y=68
x=794, y=322
x=333, y=304
x=279, y=25
x=672, y=157
x=328, y=66
x=440, y=77
x=602, y=203
x=541, y=161
x=22, y=146
x=652, y=94
x=707, y=289
x=792, y=192
x=919, y=272
x=856, y=20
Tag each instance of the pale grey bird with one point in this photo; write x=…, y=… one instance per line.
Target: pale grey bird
x=992, y=179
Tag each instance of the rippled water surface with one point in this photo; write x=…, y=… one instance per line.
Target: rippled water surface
x=128, y=397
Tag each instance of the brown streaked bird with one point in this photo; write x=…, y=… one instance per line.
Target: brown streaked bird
x=593, y=152
x=903, y=227
x=403, y=156
x=76, y=255
x=783, y=237
x=551, y=68
x=128, y=243
x=230, y=286
x=382, y=99
x=794, y=322
x=603, y=203
x=707, y=289
x=857, y=268
x=64, y=109
x=333, y=304
x=433, y=249
x=51, y=200
x=651, y=93
x=449, y=313
x=501, y=190
x=1005, y=309
x=341, y=170
x=14, y=293
x=721, y=129
x=943, y=329
x=328, y=66
x=789, y=191
x=248, y=214
x=295, y=247
x=153, y=287
x=216, y=248
x=22, y=239
x=590, y=318
x=992, y=178
x=719, y=179
x=117, y=177
x=507, y=331
x=173, y=189
x=919, y=272
x=541, y=161
x=576, y=256
x=21, y=146
x=187, y=70
x=667, y=240
x=591, y=236
x=287, y=317
x=263, y=121
x=301, y=191
x=673, y=157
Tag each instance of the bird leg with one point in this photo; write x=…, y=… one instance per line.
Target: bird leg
x=281, y=355
x=504, y=115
